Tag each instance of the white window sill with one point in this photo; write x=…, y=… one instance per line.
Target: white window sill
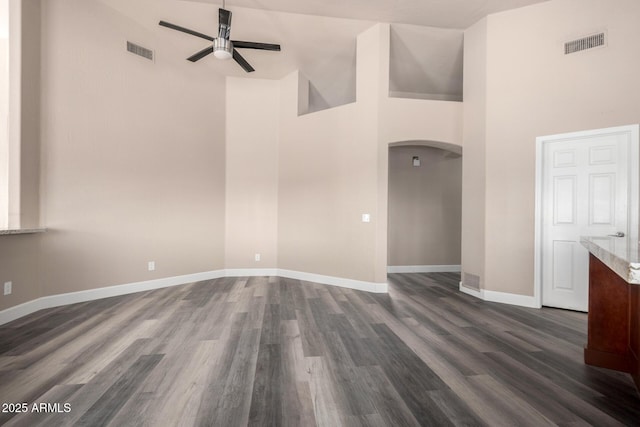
x=22, y=231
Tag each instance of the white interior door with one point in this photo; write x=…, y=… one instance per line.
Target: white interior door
x=585, y=192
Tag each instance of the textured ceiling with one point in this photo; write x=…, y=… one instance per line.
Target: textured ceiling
x=319, y=39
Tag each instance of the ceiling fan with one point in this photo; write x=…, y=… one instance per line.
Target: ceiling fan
x=223, y=47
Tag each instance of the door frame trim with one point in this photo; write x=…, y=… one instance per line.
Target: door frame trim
x=633, y=188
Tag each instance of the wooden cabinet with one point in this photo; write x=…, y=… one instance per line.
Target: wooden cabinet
x=614, y=321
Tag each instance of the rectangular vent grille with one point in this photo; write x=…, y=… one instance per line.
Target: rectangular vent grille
x=140, y=51
x=584, y=43
x=471, y=281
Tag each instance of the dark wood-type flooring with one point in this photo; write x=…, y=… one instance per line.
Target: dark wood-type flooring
x=280, y=352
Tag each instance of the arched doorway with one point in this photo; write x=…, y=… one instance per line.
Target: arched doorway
x=424, y=207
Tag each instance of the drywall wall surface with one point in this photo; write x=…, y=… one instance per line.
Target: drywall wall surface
x=20, y=264
x=422, y=120
x=252, y=132
x=533, y=89
x=15, y=107
x=30, y=115
x=402, y=120
x=20, y=255
x=424, y=206
x=4, y=136
x=329, y=175
x=327, y=180
x=426, y=62
x=133, y=155
x=473, y=160
x=372, y=90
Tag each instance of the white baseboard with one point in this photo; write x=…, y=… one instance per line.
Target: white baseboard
x=424, y=269
x=29, y=307
x=470, y=291
x=58, y=300
x=250, y=272
x=335, y=281
x=502, y=297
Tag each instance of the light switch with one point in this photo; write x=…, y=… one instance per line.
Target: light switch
x=366, y=218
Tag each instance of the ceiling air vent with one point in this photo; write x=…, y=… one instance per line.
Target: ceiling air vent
x=140, y=51
x=589, y=42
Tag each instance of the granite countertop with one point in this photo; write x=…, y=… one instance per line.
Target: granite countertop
x=618, y=253
x=21, y=231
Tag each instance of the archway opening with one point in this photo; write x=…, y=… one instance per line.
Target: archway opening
x=424, y=207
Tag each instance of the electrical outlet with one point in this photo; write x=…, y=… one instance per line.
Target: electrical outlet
x=257, y=257
x=8, y=288
x=366, y=218
x=152, y=265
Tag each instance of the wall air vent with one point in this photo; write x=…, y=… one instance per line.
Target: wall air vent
x=584, y=43
x=471, y=281
x=140, y=51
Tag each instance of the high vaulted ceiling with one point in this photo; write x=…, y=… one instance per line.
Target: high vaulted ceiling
x=431, y=13
x=318, y=37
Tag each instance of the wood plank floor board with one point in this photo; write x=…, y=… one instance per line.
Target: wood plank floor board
x=108, y=405
x=297, y=405
x=266, y=399
x=359, y=313
x=602, y=381
x=459, y=356
x=234, y=403
x=545, y=397
x=502, y=407
x=359, y=349
x=411, y=377
x=455, y=409
x=271, y=325
x=349, y=387
x=540, y=323
x=59, y=393
x=172, y=392
x=388, y=403
x=288, y=299
x=278, y=351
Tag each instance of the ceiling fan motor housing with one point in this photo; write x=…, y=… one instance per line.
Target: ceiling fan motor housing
x=222, y=48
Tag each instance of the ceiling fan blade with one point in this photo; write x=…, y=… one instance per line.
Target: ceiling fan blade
x=224, y=23
x=255, y=45
x=198, y=56
x=185, y=30
x=243, y=62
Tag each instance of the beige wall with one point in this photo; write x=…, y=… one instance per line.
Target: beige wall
x=133, y=165
x=134, y=158
x=328, y=176
x=532, y=89
x=424, y=206
x=331, y=168
x=133, y=162
x=474, y=159
x=252, y=128
x=20, y=263
x=20, y=256
x=327, y=180
x=30, y=115
x=133, y=152
x=4, y=135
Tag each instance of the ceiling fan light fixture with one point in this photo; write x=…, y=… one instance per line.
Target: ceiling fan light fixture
x=222, y=48
x=222, y=54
